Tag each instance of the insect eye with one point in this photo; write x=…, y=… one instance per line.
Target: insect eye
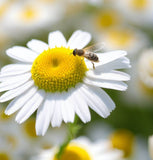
x=74, y=52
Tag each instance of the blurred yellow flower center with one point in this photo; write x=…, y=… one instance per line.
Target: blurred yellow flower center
x=28, y=13
x=139, y=4
x=12, y=141
x=4, y=7
x=57, y=70
x=3, y=116
x=107, y=18
x=74, y=152
x=47, y=1
x=120, y=38
x=29, y=128
x=123, y=140
x=4, y=156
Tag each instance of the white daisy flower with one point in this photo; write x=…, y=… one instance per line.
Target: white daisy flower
x=83, y=149
x=51, y=79
x=137, y=11
x=106, y=18
x=54, y=136
x=125, y=38
x=141, y=85
x=28, y=16
x=4, y=6
x=146, y=71
x=133, y=146
x=150, y=143
x=12, y=143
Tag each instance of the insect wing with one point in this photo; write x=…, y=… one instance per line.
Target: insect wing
x=95, y=48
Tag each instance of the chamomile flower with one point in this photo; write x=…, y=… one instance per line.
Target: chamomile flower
x=125, y=38
x=140, y=89
x=28, y=16
x=4, y=6
x=107, y=18
x=150, y=143
x=137, y=11
x=133, y=146
x=12, y=143
x=53, y=136
x=51, y=79
x=83, y=149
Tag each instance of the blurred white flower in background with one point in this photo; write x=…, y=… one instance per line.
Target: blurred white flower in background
x=82, y=149
x=150, y=146
x=26, y=17
x=145, y=68
x=133, y=146
x=124, y=37
x=140, y=90
x=12, y=143
x=138, y=12
x=50, y=75
x=21, y=142
x=4, y=7
x=54, y=136
x=106, y=18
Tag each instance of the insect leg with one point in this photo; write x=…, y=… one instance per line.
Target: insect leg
x=93, y=65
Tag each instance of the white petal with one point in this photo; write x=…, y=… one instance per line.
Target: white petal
x=111, y=56
x=120, y=63
x=21, y=54
x=18, y=102
x=37, y=45
x=14, y=82
x=56, y=119
x=117, y=85
x=44, y=114
x=80, y=105
x=112, y=75
x=79, y=39
x=112, y=154
x=56, y=39
x=15, y=92
x=95, y=103
x=29, y=108
x=101, y=96
x=67, y=109
x=13, y=69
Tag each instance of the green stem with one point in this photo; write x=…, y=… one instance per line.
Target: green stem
x=73, y=129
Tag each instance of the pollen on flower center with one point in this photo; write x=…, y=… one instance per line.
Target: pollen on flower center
x=74, y=152
x=57, y=69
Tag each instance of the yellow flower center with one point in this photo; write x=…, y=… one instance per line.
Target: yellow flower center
x=4, y=7
x=29, y=13
x=57, y=70
x=120, y=38
x=47, y=1
x=123, y=140
x=29, y=128
x=12, y=141
x=139, y=4
x=3, y=116
x=74, y=152
x=4, y=156
x=107, y=19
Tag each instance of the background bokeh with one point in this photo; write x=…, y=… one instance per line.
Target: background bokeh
x=120, y=24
